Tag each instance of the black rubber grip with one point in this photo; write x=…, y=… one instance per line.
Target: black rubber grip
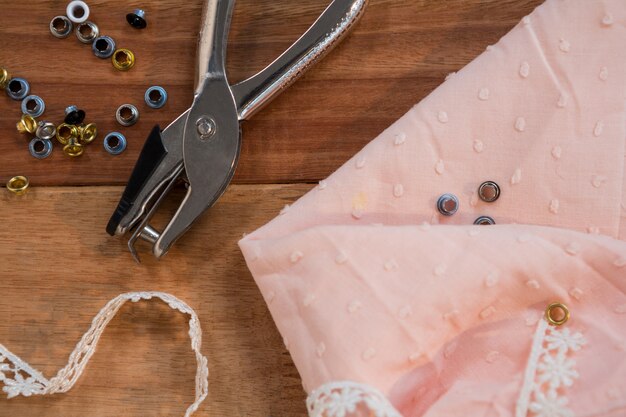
x=150, y=157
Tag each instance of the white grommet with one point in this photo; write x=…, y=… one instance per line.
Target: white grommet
x=77, y=11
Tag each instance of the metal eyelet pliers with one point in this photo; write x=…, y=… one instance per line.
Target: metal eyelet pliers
x=202, y=145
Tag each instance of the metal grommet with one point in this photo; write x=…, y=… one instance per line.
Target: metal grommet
x=18, y=185
x=87, y=134
x=73, y=115
x=17, y=88
x=127, y=115
x=489, y=191
x=87, y=32
x=4, y=77
x=103, y=47
x=33, y=106
x=123, y=59
x=137, y=19
x=66, y=133
x=448, y=204
x=46, y=130
x=73, y=148
x=156, y=97
x=114, y=143
x=484, y=221
x=61, y=27
x=40, y=148
x=77, y=11
x=557, y=314
x=27, y=124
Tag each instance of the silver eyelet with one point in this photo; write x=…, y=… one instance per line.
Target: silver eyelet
x=484, y=221
x=115, y=143
x=156, y=97
x=61, y=27
x=127, y=115
x=77, y=11
x=17, y=88
x=489, y=191
x=40, y=148
x=46, y=130
x=448, y=204
x=103, y=47
x=87, y=32
x=33, y=106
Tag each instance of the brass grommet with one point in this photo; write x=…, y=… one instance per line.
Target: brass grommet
x=4, y=78
x=88, y=133
x=66, y=132
x=123, y=59
x=73, y=148
x=18, y=185
x=27, y=124
x=555, y=308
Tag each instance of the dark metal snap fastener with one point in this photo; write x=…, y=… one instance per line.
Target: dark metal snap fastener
x=448, y=204
x=484, y=221
x=137, y=19
x=489, y=191
x=73, y=115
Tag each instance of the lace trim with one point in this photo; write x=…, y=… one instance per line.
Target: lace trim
x=549, y=371
x=345, y=398
x=19, y=378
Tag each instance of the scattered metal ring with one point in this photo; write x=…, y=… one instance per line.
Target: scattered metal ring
x=87, y=32
x=115, y=143
x=77, y=11
x=156, y=97
x=4, y=77
x=73, y=148
x=484, y=221
x=61, y=27
x=550, y=314
x=40, y=148
x=18, y=185
x=33, y=106
x=73, y=115
x=27, y=124
x=127, y=115
x=46, y=130
x=66, y=132
x=489, y=191
x=87, y=134
x=123, y=59
x=17, y=88
x=103, y=47
x=448, y=204
x=137, y=19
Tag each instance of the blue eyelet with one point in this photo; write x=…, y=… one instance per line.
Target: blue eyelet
x=114, y=143
x=38, y=106
x=17, y=88
x=40, y=148
x=156, y=97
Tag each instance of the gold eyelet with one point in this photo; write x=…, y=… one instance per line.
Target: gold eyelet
x=552, y=309
x=123, y=59
x=4, y=77
x=18, y=185
x=66, y=132
x=73, y=148
x=87, y=133
x=27, y=124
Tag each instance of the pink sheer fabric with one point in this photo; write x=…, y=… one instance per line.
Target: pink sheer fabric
x=368, y=282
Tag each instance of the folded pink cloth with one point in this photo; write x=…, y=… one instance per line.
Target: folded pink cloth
x=388, y=306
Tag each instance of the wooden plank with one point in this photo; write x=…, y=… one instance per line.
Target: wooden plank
x=401, y=50
x=58, y=268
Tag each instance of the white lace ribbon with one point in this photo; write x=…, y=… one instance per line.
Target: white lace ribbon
x=346, y=398
x=19, y=378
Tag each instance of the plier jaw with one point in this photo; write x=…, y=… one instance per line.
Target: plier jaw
x=203, y=144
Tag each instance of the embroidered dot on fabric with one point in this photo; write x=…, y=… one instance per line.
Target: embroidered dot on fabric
x=554, y=206
x=489, y=48
x=341, y=258
x=440, y=270
x=604, y=73
x=284, y=210
x=473, y=232
x=450, y=75
x=620, y=262
x=487, y=312
x=520, y=124
x=531, y=320
x=576, y=293
x=492, y=356
x=478, y=146
x=557, y=152
x=413, y=357
x=526, y=20
x=391, y=265
x=598, y=128
x=320, y=349
x=620, y=309
x=440, y=167
x=573, y=248
x=516, y=178
x=607, y=20
x=354, y=306
x=473, y=199
x=357, y=213
x=564, y=45
x=398, y=190
x=524, y=69
x=323, y=184
x=424, y=226
x=524, y=238
x=483, y=94
x=368, y=353
x=296, y=256
x=442, y=116
x=562, y=102
x=492, y=280
x=269, y=298
x=405, y=311
x=360, y=162
x=449, y=349
x=399, y=139
x=598, y=180
x=308, y=300
x=450, y=315
x=593, y=230
x=533, y=283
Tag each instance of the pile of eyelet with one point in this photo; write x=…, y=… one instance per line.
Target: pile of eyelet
x=488, y=191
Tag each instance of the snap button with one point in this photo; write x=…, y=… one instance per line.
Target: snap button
x=484, y=221
x=557, y=314
x=448, y=204
x=489, y=191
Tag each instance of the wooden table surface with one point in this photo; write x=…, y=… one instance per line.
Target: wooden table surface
x=57, y=265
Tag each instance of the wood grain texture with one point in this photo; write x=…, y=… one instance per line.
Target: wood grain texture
x=58, y=269
x=401, y=50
